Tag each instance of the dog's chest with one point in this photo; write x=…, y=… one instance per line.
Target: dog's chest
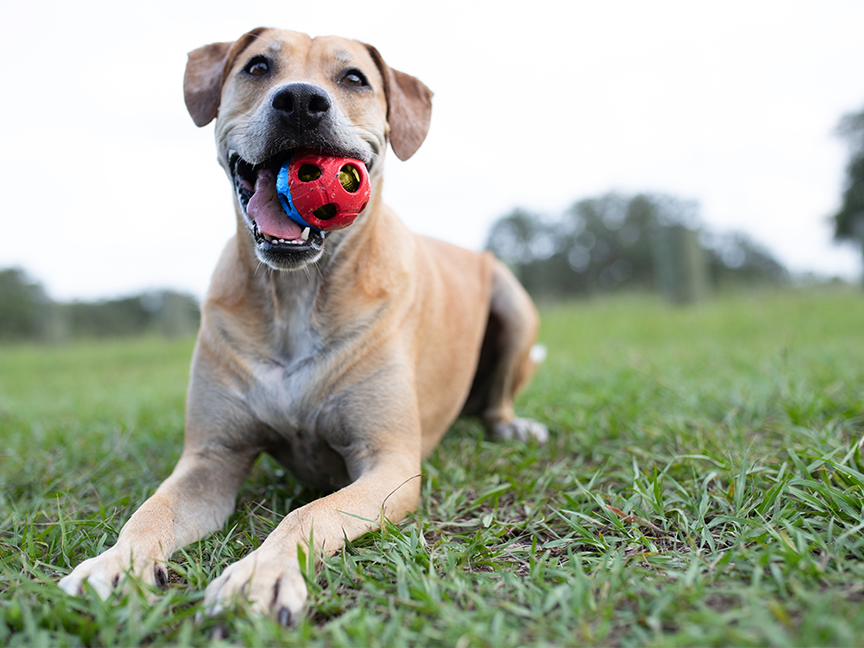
x=287, y=363
x=286, y=397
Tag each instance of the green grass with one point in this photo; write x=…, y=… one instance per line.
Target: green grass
x=702, y=485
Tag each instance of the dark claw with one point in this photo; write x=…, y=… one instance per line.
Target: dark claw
x=284, y=617
x=161, y=576
x=276, y=591
x=115, y=581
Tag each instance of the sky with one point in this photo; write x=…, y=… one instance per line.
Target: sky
x=109, y=188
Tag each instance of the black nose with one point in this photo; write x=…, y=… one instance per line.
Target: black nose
x=302, y=105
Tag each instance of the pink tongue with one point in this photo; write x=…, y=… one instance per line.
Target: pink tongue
x=265, y=209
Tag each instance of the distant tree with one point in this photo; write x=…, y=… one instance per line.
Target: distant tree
x=174, y=314
x=599, y=243
x=511, y=235
x=23, y=306
x=736, y=259
x=611, y=242
x=165, y=312
x=610, y=237
x=849, y=220
x=513, y=239
x=26, y=313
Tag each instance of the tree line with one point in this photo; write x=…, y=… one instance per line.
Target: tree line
x=27, y=313
x=616, y=241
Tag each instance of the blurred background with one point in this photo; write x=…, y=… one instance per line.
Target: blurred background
x=672, y=147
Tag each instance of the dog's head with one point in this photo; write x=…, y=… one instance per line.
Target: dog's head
x=273, y=92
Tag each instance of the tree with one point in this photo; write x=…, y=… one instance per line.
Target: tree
x=26, y=313
x=23, y=306
x=511, y=235
x=849, y=220
x=735, y=259
x=521, y=239
x=166, y=312
x=598, y=244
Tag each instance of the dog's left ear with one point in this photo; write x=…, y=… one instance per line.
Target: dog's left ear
x=205, y=73
x=409, y=108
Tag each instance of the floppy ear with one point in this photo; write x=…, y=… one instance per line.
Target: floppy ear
x=409, y=108
x=205, y=74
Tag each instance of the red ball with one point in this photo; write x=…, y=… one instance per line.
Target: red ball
x=328, y=192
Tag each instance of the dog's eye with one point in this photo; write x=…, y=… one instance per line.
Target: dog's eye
x=354, y=78
x=258, y=66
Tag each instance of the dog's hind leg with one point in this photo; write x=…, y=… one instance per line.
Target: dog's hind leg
x=508, y=359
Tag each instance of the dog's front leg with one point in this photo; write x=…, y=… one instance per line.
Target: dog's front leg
x=270, y=577
x=194, y=501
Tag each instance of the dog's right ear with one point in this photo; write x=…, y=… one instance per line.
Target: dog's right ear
x=206, y=70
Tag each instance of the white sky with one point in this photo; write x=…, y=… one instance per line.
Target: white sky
x=108, y=187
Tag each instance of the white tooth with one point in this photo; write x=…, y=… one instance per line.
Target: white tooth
x=282, y=241
x=305, y=234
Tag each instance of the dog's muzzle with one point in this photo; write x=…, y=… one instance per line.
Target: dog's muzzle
x=299, y=137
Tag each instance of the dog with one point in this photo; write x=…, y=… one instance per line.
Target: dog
x=345, y=355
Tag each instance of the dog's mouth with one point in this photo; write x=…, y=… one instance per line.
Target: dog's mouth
x=279, y=240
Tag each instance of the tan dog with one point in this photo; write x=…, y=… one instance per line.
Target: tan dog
x=346, y=357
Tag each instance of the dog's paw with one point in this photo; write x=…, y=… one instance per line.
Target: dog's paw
x=110, y=571
x=269, y=581
x=522, y=429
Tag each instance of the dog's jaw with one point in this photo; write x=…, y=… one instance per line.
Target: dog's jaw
x=252, y=160
x=295, y=247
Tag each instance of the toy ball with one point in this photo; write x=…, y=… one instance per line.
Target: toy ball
x=322, y=192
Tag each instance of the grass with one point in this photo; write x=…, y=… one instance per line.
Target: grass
x=703, y=485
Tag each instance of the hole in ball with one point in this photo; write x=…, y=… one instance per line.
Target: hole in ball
x=349, y=178
x=308, y=173
x=326, y=212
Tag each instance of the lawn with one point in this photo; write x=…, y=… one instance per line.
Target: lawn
x=702, y=485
